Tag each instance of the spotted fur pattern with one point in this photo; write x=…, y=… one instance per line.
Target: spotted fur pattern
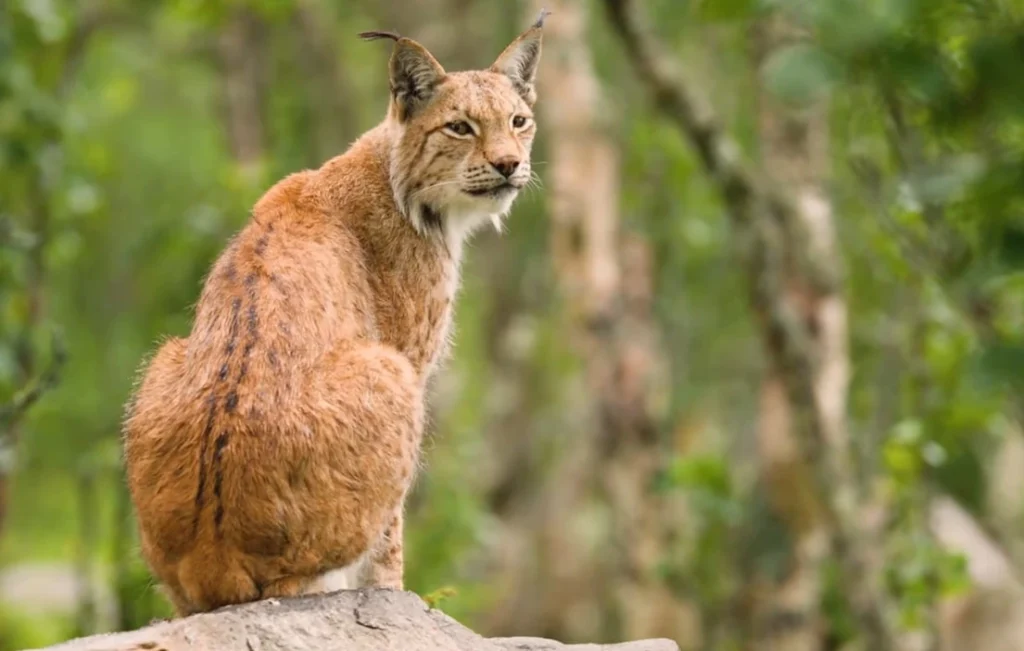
x=275, y=444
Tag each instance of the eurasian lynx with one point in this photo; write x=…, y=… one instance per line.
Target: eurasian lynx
x=277, y=442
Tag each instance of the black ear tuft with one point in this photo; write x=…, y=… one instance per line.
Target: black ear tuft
x=520, y=59
x=373, y=36
x=414, y=73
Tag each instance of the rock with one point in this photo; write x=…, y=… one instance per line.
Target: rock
x=354, y=620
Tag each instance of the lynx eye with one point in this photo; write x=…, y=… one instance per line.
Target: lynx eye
x=459, y=128
x=518, y=122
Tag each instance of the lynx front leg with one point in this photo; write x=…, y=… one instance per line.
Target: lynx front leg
x=384, y=566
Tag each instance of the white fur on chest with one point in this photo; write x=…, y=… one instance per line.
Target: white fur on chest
x=462, y=219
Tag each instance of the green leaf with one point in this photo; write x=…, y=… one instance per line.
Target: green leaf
x=800, y=74
x=725, y=10
x=907, y=432
x=50, y=25
x=902, y=461
x=435, y=598
x=707, y=473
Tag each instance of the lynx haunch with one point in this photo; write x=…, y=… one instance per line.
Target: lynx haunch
x=269, y=453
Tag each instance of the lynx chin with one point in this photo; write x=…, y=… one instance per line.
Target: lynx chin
x=269, y=453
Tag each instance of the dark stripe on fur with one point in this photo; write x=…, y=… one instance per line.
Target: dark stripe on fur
x=236, y=305
x=218, y=478
x=432, y=219
x=205, y=444
x=252, y=326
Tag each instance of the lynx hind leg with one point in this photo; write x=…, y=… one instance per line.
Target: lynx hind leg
x=378, y=400
x=345, y=578
x=380, y=567
x=384, y=566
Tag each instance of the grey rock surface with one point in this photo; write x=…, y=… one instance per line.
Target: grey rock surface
x=354, y=620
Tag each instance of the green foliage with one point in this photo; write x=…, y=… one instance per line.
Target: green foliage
x=934, y=73
x=22, y=631
x=836, y=608
x=140, y=603
x=702, y=563
x=707, y=483
x=920, y=571
x=436, y=598
x=800, y=74
x=724, y=10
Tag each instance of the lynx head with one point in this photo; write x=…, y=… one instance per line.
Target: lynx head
x=460, y=140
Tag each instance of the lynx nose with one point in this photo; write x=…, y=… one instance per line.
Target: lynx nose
x=506, y=166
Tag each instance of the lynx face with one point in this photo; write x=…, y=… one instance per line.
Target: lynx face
x=462, y=140
x=475, y=140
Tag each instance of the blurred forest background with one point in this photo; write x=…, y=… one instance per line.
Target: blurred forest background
x=745, y=371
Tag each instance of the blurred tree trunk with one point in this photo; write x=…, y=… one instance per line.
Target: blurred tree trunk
x=990, y=614
x=782, y=241
x=794, y=153
x=558, y=597
x=607, y=588
x=241, y=51
x=631, y=455
x=330, y=93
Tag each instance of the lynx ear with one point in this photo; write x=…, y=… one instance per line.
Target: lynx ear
x=415, y=73
x=519, y=60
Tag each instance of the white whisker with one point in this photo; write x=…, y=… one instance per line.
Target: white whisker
x=431, y=187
